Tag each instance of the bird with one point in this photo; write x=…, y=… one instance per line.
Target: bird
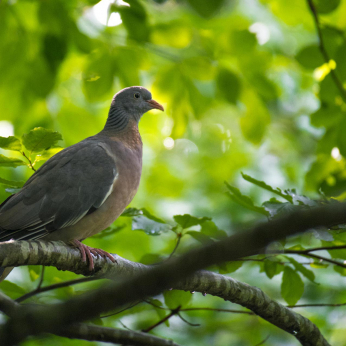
x=84, y=188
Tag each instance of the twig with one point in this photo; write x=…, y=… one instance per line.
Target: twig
x=179, y=235
x=314, y=305
x=187, y=322
x=324, y=52
x=30, y=163
x=321, y=258
x=40, y=289
x=122, y=310
x=173, y=312
x=41, y=279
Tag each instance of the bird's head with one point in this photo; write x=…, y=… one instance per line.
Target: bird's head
x=130, y=103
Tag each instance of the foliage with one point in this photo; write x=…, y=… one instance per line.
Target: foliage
x=245, y=88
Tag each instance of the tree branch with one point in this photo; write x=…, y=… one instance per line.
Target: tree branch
x=180, y=269
x=93, y=333
x=324, y=52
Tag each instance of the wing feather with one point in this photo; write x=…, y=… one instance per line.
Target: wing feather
x=73, y=183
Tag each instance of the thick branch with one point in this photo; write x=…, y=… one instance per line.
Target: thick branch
x=154, y=281
x=93, y=333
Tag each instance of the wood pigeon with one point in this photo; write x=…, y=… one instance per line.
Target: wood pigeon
x=82, y=189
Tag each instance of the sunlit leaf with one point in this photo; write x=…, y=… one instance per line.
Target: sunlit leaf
x=243, y=200
x=11, y=289
x=265, y=186
x=10, y=143
x=187, y=220
x=10, y=161
x=11, y=183
x=40, y=139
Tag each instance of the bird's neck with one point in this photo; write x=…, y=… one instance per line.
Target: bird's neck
x=129, y=135
x=117, y=120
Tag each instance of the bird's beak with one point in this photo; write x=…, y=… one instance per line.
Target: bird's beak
x=156, y=105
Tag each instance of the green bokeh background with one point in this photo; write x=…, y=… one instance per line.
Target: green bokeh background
x=245, y=89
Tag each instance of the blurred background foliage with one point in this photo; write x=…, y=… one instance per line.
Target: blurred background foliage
x=245, y=89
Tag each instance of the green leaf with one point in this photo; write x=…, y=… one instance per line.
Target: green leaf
x=202, y=238
x=275, y=207
x=130, y=212
x=10, y=161
x=209, y=228
x=187, y=220
x=10, y=143
x=12, y=183
x=326, y=6
x=40, y=139
x=174, y=298
x=134, y=18
x=228, y=85
x=11, y=289
x=265, y=186
x=149, y=226
x=230, y=267
x=292, y=286
x=340, y=270
x=206, y=9
x=243, y=200
x=299, y=267
x=34, y=272
x=272, y=268
x=310, y=57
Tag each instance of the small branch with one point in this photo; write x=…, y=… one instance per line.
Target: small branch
x=321, y=258
x=179, y=235
x=314, y=305
x=263, y=341
x=187, y=322
x=30, y=163
x=173, y=312
x=40, y=289
x=324, y=52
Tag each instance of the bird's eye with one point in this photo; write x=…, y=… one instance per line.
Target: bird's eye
x=137, y=95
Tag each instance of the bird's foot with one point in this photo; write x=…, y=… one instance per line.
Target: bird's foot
x=86, y=252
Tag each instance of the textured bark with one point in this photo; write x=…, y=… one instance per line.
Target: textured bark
x=67, y=258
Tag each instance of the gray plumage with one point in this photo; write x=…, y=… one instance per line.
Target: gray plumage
x=82, y=189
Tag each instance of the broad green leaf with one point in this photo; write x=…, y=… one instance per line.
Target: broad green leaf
x=326, y=6
x=292, y=286
x=228, y=85
x=201, y=237
x=275, y=207
x=11, y=289
x=230, y=267
x=243, y=200
x=149, y=226
x=310, y=57
x=272, y=268
x=299, y=267
x=187, y=220
x=47, y=154
x=265, y=186
x=10, y=143
x=34, y=272
x=206, y=9
x=11, y=183
x=10, y=161
x=340, y=270
x=209, y=228
x=40, y=139
x=134, y=18
x=174, y=298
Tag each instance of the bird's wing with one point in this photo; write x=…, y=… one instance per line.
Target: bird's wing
x=71, y=184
